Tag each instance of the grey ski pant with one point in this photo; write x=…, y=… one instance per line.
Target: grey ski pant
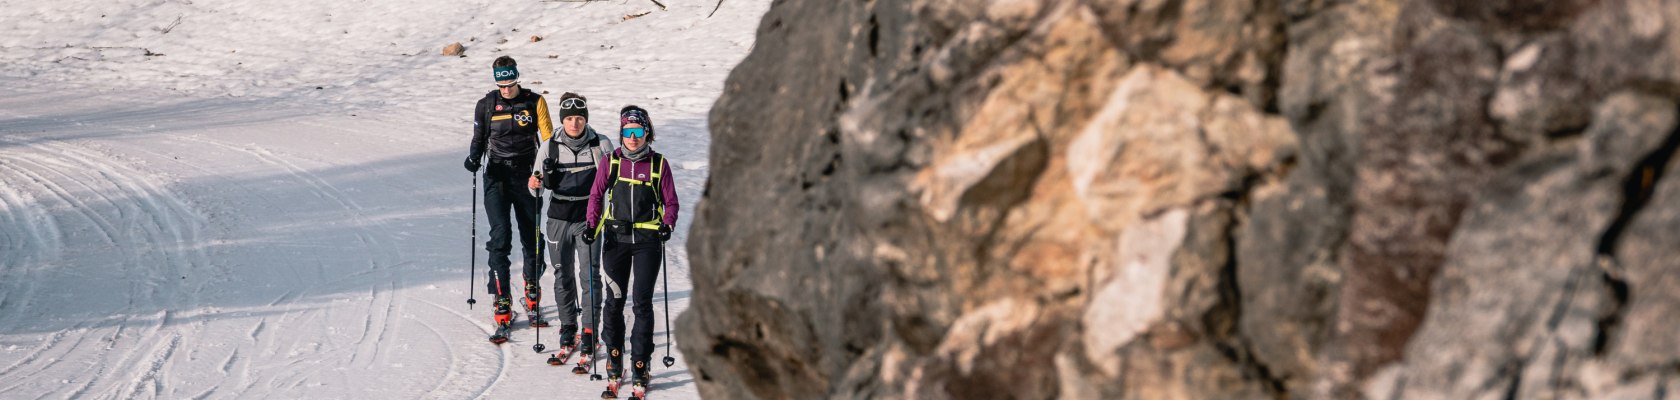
x=577, y=276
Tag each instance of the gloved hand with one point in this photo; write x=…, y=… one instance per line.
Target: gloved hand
x=664, y=233
x=472, y=164
x=588, y=236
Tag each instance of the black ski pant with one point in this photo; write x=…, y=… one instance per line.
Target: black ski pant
x=504, y=191
x=622, y=261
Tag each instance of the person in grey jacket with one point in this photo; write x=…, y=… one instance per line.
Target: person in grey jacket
x=566, y=167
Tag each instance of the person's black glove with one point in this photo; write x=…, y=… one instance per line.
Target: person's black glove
x=588, y=236
x=664, y=233
x=550, y=167
x=550, y=174
x=471, y=164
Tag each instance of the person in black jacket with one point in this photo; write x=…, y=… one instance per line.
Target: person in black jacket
x=632, y=207
x=507, y=126
x=567, y=169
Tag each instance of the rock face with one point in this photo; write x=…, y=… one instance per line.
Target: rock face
x=1193, y=199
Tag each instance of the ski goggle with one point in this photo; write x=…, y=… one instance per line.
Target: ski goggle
x=573, y=103
x=637, y=133
x=507, y=85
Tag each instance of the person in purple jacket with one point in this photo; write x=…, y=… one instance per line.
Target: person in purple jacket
x=632, y=208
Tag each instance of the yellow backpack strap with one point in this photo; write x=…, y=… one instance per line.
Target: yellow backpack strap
x=658, y=195
x=659, y=191
x=606, y=201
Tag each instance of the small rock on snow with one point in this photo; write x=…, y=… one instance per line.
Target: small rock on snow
x=454, y=49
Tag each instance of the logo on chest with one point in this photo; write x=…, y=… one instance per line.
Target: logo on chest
x=523, y=117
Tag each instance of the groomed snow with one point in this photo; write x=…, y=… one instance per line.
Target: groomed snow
x=264, y=199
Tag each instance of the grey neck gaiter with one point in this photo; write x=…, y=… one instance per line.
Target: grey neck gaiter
x=576, y=144
x=640, y=153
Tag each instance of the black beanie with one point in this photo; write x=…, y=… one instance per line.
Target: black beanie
x=573, y=104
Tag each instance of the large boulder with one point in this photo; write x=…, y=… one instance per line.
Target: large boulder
x=1190, y=199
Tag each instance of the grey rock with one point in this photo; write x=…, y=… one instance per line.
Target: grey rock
x=1522, y=304
x=1193, y=199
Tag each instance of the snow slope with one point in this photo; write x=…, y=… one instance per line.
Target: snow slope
x=270, y=203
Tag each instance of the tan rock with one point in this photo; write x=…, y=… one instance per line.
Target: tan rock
x=1193, y=199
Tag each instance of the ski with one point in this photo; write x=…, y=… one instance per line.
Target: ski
x=533, y=308
x=582, y=367
x=612, y=388
x=503, y=318
x=501, y=335
x=639, y=381
x=559, y=357
x=586, y=342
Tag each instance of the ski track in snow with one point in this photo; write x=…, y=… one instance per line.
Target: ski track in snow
x=157, y=238
x=322, y=189
x=25, y=249
x=381, y=303
x=253, y=214
x=47, y=164
x=502, y=355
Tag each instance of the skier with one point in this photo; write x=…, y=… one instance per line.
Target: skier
x=632, y=207
x=567, y=170
x=507, y=125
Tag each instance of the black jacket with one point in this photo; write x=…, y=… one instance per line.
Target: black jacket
x=510, y=128
x=568, y=186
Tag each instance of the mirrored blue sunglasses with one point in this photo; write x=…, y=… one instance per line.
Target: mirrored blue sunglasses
x=634, y=132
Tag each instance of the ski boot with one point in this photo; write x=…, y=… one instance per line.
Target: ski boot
x=533, y=306
x=639, y=381
x=612, y=387
x=503, y=318
x=613, y=377
x=568, y=344
x=586, y=342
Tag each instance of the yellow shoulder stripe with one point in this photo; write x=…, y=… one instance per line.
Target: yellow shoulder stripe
x=545, y=129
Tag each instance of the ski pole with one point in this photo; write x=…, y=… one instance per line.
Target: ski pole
x=539, y=346
x=666, y=282
x=541, y=266
x=594, y=307
x=601, y=257
x=583, y=265
x=578, y=280
x=472, y=269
